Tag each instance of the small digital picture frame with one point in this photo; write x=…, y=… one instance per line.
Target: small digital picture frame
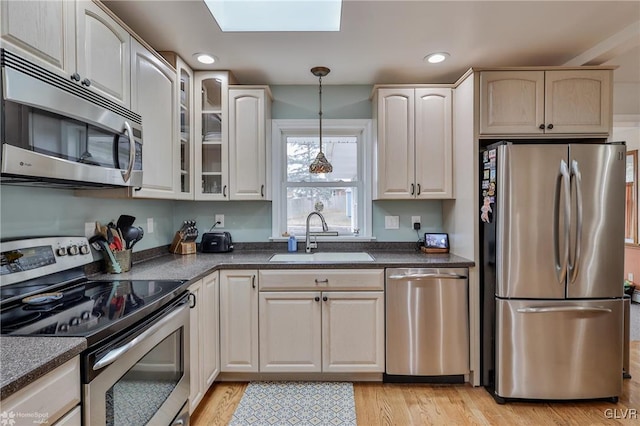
x=436, y=241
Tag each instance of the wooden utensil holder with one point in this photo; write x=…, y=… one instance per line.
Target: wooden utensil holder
x=181, y=247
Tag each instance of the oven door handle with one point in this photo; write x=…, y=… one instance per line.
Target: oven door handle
x=116, y=353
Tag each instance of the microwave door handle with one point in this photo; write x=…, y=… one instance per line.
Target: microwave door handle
x=574, y=265
x=132, y=152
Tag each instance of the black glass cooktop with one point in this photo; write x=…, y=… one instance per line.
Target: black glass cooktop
x=91, y=309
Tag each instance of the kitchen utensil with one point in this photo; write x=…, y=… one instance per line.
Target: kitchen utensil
x=129, y=234
x=125, y=221
x=138, y=237
x=104, y=246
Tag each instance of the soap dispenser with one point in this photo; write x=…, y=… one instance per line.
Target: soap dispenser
x=292, y=244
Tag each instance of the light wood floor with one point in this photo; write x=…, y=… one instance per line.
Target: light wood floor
x=399, y=405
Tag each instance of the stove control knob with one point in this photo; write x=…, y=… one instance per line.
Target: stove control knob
x=84, y=249
x=63, y=327
x=73, y=250
x=62, y=251
x=74, y=321
x=86, y=315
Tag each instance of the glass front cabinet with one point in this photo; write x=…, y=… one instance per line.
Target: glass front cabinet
x=211, y=135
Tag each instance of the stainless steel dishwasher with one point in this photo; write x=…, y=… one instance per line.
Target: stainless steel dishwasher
x=427, y=322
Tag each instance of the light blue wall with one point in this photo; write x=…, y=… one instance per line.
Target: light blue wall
x=26, y=211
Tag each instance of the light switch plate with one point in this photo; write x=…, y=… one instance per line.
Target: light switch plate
x=415, y=219
x=89, y=229
x=219, y=218
x=392, y=222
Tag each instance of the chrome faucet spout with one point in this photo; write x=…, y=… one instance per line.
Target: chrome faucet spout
x=313, y=244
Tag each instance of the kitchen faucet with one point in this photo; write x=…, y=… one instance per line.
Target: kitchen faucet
x=308, y=235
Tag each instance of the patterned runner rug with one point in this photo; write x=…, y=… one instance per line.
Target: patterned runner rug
x=296, y=403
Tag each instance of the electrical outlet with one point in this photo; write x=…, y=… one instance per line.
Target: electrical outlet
x=392, y=222
x=414, y=220
x=219, y=218
x=149, y=225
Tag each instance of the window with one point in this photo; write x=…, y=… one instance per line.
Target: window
x=342, y=196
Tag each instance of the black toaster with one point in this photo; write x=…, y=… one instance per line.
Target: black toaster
x=216, y=242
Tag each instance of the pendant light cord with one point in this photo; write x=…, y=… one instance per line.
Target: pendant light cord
x=320, y=111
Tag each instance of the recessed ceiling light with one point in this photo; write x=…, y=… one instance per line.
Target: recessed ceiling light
x=436, y=58
x=280, y=15
x=204, y=58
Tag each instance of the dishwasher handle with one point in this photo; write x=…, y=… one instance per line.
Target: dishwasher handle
x=448, y=276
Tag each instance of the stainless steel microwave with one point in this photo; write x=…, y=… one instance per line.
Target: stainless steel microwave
x=55, y=132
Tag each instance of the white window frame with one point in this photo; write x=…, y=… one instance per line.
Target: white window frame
x=281, y=129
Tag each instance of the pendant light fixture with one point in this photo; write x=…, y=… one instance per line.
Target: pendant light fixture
x=320, y=164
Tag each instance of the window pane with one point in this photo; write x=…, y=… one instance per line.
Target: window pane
x=339, y=207
x=341, y=151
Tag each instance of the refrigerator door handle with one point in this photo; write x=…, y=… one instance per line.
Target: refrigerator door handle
x=563, y=186
x=548, y=309
x=574, y=264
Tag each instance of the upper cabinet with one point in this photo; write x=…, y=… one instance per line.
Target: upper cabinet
x=414, y=143
x=554, y=102
x=249, y=142
x=153, y=96
x=102, y=52
x=50, y=43
x=75, y=39
x=211, y=138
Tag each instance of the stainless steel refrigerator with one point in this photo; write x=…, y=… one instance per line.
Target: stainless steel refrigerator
x=552, y=231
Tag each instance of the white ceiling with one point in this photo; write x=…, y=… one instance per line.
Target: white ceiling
x=385, y=41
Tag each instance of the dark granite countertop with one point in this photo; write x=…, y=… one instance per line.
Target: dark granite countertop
x=25, y=359
x=195, y=266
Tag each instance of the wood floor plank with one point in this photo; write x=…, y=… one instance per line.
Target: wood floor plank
x=388, y=404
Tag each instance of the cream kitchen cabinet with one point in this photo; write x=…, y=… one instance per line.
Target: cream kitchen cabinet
x=249, y=142
x=414, y=143
x=184, y=111
x=54, y=396
x=204, y=337
x=538, y=102
x=316, y=327
x=75, y=39
x=102, y=53
x=154, y=91
x=239, y=320
x=211, y=135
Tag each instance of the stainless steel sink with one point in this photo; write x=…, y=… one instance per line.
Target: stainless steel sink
x=323, y=257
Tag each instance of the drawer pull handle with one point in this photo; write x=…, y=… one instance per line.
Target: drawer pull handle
x=324, y=281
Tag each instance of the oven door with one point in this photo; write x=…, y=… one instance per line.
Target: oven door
x=143, y=377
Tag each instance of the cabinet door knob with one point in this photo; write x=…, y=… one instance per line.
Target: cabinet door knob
x=550, y=126
x=86, y=82
x=75, y=76
x=541, y=127
x=325, y=298
x=317, y=299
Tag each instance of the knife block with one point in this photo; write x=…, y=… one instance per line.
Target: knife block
x=181, y=247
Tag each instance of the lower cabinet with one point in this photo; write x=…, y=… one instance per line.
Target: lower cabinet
x=336, y=328
x=322, y=331
x=239, y=321
x=204, y=337
x=43, y=398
